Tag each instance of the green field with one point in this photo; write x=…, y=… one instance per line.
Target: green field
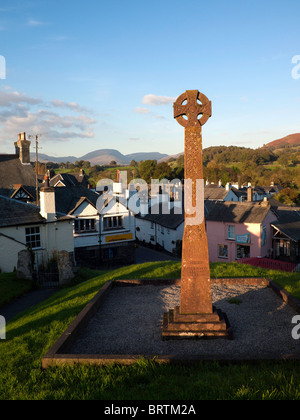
x=33, y=332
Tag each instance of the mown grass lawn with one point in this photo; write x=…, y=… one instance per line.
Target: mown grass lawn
x=32, y=333
x=11, y=287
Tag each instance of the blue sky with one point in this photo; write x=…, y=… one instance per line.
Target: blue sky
x=99, y=74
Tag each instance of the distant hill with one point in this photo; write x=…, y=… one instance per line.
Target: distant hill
x=164, y=159
x=105, y=156
x=45, y=158
x=291, y=140
x=146, y=156
x=102, y=157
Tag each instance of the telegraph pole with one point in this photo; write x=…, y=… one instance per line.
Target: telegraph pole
x=36, y=136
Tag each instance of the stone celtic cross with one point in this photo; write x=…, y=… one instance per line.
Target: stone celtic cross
x=195, y=277
x=196, y=316
x=196, y=104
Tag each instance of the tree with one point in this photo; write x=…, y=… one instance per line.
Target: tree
x=133, y=163
x=163, y=170
x=288, y=196
x=147, y=169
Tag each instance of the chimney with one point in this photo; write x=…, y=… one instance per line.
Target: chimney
x=47, y=202
x=249, y=194
x=220, y=183
x=265, y=202
x=47, y=180
x=228, y=186
x=23, y=149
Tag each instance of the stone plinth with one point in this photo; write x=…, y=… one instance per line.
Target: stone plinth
x=211, y=325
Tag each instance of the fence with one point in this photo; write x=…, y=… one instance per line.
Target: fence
x=271, y=264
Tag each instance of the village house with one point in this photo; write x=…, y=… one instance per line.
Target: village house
x=235, y=192
x=238, y=230
x=218, y=193
x=100, y=237
x=235, y=230
x=161, y=230
x=24, y=226
x=69, y=180
x=286, y=234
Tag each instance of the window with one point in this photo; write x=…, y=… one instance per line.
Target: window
x=223, y=251
x=231, y=232
x=284, y=248
x=33, y=237
x=115, y=222
x=84, y=225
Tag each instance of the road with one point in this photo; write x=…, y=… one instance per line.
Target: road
x=144, y=254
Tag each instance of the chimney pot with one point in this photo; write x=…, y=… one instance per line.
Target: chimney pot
x=250, y=194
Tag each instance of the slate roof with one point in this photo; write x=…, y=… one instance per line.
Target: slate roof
x=17, y=213
x=215, y=193
x=12, y=172
x=235, y=212
x=12, y=192
x=70, y=180
x=288, y=222
x=169, y=221
x=67, y=199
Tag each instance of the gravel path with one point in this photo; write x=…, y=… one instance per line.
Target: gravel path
x=130, y=322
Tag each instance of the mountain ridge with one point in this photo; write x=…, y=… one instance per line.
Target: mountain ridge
x=105, y=156
x=291, y=140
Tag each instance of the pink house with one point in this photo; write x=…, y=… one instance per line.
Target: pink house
x=238, y=230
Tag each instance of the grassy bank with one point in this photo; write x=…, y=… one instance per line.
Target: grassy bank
x=30, y=335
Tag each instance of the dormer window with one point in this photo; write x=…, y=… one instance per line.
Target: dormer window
x=84, y=225
x=114, y=222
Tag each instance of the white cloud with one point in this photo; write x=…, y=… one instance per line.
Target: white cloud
x=140, y=110
x=8, y=98
x=20, y=112
x=157, y=100
x=70, y=105
x=34, y=22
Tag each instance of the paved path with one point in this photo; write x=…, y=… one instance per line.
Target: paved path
x=25, y=302
x=143, y=254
